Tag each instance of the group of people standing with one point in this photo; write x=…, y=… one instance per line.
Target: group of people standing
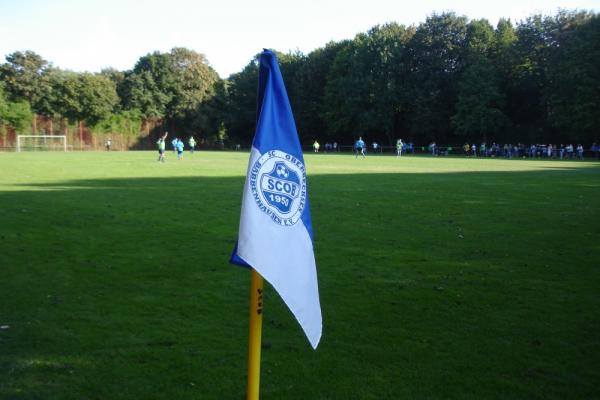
x=328, y=147
x=360, y=147
x=521, y=151
x=177, y=144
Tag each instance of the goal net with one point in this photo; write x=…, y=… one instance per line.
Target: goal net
x=41, y=143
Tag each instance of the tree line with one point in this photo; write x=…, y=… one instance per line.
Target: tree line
x=448, y=80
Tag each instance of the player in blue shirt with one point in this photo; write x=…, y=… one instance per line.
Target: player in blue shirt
x=359, y=147
x=179, y=149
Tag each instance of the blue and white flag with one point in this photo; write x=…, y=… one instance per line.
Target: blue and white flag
x=275, y=236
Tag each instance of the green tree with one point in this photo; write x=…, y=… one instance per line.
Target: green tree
x=309, y=93
x=480, y=101
x=23, y=76
x=97, y=96
x=574, y=77
x=366, y=92
x=118, y=78
x=16, y=114
x=169, y=85
x=503, y=52
x=438, y=47
x=480, y=40
x=126, y=122
x=347, y=91
x=3, y=101
x=48, y=103
x=387, y=46
x=526, y=90
x=146, y=87
x=292, y=66
x=241, y=90
x=26, y=79
x=192, y=81
x=479, y=113
x=206, y=122
x=503, y=56
x=85, y=97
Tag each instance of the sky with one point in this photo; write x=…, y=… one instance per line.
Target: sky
x=92, y=35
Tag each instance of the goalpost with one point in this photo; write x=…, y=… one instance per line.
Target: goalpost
x=41, y=143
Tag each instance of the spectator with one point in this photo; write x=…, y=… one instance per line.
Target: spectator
x=595, y=150
x=432, y=148
x=570, y=150
x=375, y=147
x=580, y=151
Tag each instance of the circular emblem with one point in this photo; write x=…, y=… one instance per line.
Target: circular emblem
x=278, y=185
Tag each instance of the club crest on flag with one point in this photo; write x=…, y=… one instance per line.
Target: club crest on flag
x=278, y=185
x=275, y=237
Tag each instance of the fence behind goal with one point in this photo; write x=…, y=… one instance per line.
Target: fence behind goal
x=41, y=143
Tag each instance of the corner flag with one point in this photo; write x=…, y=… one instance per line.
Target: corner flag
x=275, y=235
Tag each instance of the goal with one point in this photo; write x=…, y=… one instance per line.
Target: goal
x=41, y=143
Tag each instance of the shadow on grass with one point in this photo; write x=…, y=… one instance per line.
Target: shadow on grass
x=446, y=285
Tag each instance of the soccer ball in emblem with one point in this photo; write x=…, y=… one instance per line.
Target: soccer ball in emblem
x=282, y=171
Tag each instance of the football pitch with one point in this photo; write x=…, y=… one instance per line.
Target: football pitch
x=440, y=278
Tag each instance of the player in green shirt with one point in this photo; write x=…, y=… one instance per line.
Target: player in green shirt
x=161, y=147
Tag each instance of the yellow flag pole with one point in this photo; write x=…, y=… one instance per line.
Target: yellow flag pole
x=254, y=340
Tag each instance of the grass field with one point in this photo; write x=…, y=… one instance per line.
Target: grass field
x=439, y=279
